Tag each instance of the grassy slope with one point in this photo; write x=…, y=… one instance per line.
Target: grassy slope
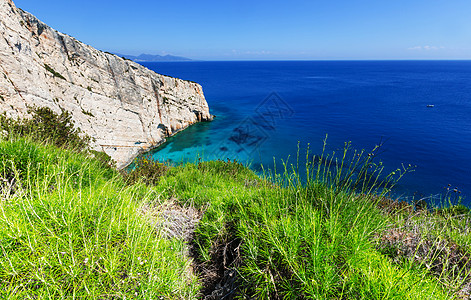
x=72, y=228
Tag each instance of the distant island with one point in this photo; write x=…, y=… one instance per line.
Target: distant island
x=151, y=57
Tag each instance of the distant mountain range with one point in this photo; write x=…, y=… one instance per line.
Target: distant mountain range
x=151, y=57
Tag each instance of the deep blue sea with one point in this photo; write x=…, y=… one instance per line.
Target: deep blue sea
x=264, y=109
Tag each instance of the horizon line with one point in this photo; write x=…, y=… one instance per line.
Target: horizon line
x=281, y=60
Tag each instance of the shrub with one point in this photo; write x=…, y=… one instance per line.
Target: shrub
x=46, y=125
x=146, y=169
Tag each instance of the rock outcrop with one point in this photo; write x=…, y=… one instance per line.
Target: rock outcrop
x=126, y=108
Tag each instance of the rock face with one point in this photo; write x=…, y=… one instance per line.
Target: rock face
x=126, y=108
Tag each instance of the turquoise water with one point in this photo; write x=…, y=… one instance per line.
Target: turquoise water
x=264, y=109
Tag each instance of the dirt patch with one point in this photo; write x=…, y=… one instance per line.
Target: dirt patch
x=219, y=276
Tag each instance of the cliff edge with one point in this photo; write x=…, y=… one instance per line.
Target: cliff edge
x=126, y=108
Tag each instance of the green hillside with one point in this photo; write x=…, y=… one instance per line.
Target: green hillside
x=73, y=227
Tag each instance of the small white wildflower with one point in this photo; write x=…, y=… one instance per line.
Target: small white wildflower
x=85, y=260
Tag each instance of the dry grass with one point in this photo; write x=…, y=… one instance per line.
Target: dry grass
x=413, y=239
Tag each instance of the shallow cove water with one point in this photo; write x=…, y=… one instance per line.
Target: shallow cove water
x=419, y=110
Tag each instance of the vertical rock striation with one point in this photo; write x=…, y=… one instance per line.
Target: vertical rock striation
x=126, y=108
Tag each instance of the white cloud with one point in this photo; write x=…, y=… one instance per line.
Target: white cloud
x=263, y=52
x=425, y=48
x=243, y=53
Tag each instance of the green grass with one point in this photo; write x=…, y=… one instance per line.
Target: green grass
x=314, y=240
x=73, y=227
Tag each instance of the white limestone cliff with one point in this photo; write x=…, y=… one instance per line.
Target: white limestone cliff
x=126, y=108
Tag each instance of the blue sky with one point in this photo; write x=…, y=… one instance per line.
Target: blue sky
x=267, y=30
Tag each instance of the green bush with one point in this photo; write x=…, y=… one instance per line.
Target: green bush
x=46, y=125
x=145, y=169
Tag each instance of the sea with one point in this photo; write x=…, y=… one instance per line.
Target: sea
x=417, y=112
